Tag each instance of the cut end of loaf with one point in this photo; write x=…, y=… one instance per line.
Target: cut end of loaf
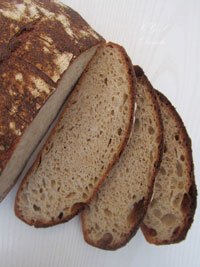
x=88, y=139
x=40, y=43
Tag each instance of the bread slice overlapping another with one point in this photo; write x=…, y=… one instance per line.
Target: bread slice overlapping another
x=172, y=208
x=91, y=134
x=120, y=205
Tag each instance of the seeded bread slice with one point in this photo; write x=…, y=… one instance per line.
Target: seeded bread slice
x=88, y=139
x=172, y=208
x=119, y=207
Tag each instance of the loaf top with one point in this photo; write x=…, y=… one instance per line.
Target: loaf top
x=38, y=42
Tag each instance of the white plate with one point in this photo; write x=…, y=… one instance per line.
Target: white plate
x=163, y=37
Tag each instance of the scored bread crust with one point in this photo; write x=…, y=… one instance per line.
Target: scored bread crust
x=132, y=91
x=190, y=199
x=141, y=206
x=39, y=41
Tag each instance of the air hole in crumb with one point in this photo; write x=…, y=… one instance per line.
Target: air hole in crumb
x=110, y=141
x=119, y=131
x=41, y=190
x=125, y=97
x=168, y=219
x=53, y=183
x=176, y=137
x=112, y=112
x=177, y=200
x=61, y=128
x=152, y=232
x=165, y=148
x=106, y=81
x=133, y=196
x=36, y=208
x=153, y=202
x=179, y=169
x=91, y=186
x=151, y=130
x=157, y=213
x=182, y=158
x=137, y=125
x=180, y=185
x=60, y=216
x=97, y=226
x=70, y=195
x=151, y=156
x=25, y=198
x=43, y=182
x=158, y=186
x=162, y=171
x=107, y=212
x=85, y=196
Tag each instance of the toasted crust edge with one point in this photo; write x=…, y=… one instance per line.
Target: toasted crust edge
x=132, y=85
x=192, y=190
x=142, y=79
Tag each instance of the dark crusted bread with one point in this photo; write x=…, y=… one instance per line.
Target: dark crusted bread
x=44, y=48
x=88, y=139
x=172, y=208
x=117, y=210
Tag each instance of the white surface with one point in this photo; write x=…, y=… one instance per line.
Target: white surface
x=163, y=37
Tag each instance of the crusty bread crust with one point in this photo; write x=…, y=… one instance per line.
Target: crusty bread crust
x=34, y=38
x=80, y=206
x=141, y=206
x=190, y=199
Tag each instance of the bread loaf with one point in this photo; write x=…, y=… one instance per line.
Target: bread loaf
x=88, y=139
x=119, y=207
x=44, y=48
x=172, y=208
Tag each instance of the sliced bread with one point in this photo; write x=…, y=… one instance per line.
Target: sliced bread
x=117, y=210
x=44, y=48
x=88, y=139
x=172, y=208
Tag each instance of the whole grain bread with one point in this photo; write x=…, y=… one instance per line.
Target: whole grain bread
x=118, y=208
x=172, y=208
x=88, y=139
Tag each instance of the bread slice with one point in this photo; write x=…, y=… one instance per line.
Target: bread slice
x=172, y=208
x=44, y=48
x=117, y=210
x=88, y=139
